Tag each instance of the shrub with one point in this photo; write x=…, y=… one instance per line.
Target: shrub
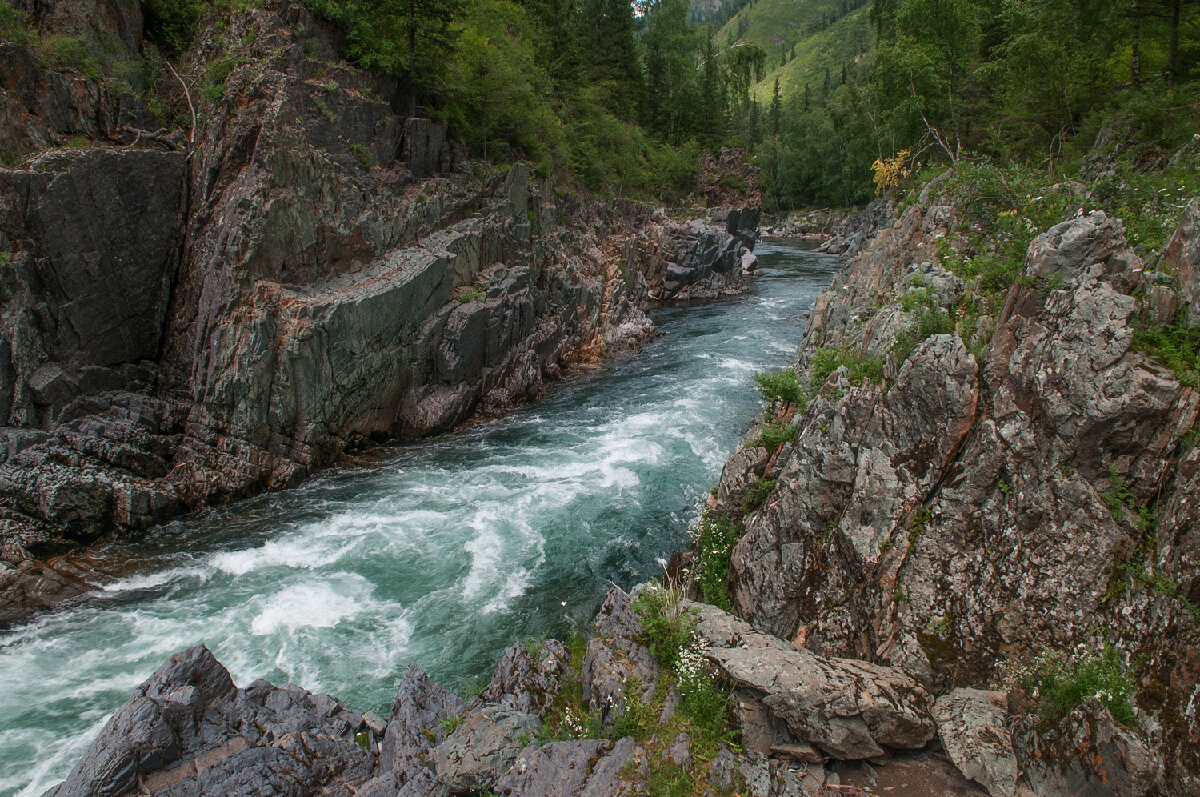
x=773, y=435
x=827, y=360
x=782, y=385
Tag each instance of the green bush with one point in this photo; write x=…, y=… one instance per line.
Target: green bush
x=773, y=435
x=782, y=385
x=171, y=24
x=13, y=25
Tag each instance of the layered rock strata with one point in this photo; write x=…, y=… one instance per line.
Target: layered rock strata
x=306, y=272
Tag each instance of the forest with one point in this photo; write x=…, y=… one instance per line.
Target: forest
x=624, y=96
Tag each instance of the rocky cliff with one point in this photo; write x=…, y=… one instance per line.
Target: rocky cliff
x=194, y=315
x=996, y=493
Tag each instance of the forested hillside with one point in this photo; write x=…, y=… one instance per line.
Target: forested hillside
x=1013, y=81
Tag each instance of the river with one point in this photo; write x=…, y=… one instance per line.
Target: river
x=442, y=553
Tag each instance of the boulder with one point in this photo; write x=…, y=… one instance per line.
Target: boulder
x=483, y=747
x=188, y=730
x=972, y=725
x=849, y=709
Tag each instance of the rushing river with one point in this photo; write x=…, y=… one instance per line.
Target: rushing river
x=443, y=553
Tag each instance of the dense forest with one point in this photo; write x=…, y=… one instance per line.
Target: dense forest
x=622, y=97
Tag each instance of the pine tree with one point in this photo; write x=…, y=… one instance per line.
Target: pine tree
x=776, y=109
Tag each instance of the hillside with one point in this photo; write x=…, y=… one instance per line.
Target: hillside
x=802, y=40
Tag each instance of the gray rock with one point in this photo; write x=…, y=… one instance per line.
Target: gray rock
x=850, y=709
x=483, y=748
x=527, y=684
x=189, y=731
x=1182, y=257
x=416, y=724
x=973, y=726
x=1088, y=753
x=557, y=768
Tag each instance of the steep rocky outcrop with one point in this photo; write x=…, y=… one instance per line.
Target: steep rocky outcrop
x=1027, y=491
x=188, y=729
x=210, y=314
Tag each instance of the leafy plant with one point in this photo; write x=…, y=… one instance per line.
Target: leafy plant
x=362, y=154
x=1062, y=683
x=716, y=537
x=781, y=386
x=827, y=360
x=773, y=435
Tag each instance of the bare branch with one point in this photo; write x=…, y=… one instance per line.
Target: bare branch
x=191, y=107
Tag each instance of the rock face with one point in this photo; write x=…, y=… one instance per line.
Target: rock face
x=849, y=709
x=302, y=272
x=972, y=724
x=1026, y=490
x=617, y=667
x=188, y=730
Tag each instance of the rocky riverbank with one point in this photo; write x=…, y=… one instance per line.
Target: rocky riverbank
x=992, y=488
x=196, y=317
x=551, y=721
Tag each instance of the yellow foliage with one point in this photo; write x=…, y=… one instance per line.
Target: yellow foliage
x=889, y=171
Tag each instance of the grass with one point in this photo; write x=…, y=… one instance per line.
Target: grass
x=861, y=367
x=471, y=294
x=756, y=494
x=702, y=710
x=929, y=319
x=668, y=627
x=1061, y=684
x=216, y=74
x=1175, y=344
x=716, y=537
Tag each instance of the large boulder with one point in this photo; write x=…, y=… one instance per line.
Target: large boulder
x=849, y=709
x=188, y=730
x=972, y=724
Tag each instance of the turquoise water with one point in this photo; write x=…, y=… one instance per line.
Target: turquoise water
x=442, y=554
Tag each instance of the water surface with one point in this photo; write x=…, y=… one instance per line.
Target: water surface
x=442, y=554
